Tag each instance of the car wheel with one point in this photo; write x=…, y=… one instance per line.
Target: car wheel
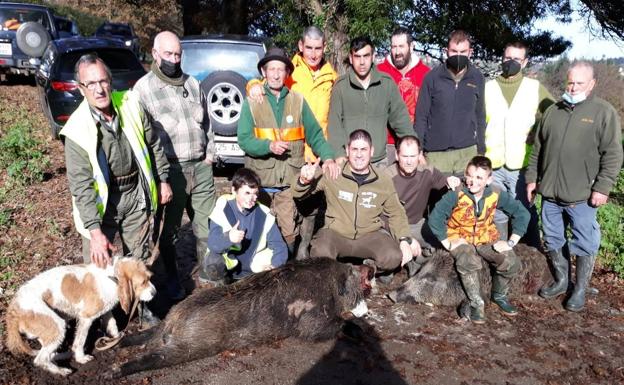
x=32, y=38
x=225, y=93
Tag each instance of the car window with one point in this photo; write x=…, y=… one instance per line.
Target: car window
x=201, y=59
x=110, y=29
x=12, y=19
x=118, y=60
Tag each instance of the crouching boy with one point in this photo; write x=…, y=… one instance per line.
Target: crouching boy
x=463, y=221
x=243, y=237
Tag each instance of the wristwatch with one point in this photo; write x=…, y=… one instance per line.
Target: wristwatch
x=511, y=243
x=406, y=239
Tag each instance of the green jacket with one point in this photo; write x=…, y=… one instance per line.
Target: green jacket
x=278, y=171
x=577, y=150
x=439, y=218
x=354, y=211
x=373, y=109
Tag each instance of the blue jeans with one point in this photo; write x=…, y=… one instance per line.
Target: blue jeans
x=514, y=183
x=581, y=218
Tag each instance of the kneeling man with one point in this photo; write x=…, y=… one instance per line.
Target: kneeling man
x=243, y=237
x=355, y=203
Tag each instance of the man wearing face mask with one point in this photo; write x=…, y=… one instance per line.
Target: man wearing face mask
x=513, y=103
x=450, y=113
x=576, y=158
x=175, y=106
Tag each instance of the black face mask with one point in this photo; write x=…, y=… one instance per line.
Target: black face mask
x=170, y=69
x=511, y=68
x=457, y=63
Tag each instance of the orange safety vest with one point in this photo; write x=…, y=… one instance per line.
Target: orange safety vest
x=464, y=224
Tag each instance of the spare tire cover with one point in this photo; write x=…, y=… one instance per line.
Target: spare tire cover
x=225, y=93
x=32, y=38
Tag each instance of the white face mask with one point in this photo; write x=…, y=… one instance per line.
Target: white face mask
x=574, y=99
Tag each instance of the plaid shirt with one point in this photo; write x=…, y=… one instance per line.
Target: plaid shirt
x=178, y=115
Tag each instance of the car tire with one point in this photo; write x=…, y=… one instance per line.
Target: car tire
x=32, y=38
x=225, y=93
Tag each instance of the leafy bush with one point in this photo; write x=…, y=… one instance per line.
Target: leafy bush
x=22, y=155
x=611, y=220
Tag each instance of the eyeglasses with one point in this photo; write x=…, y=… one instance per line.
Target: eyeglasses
x=91, y=85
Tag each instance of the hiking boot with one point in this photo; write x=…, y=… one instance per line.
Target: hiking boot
x=500, y=287
x=584, y=269
x=560, y=266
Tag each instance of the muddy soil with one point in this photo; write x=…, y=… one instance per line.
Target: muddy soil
x=403, y=343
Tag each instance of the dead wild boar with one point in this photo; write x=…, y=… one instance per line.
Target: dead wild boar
x=309, y=300
x=438, y=283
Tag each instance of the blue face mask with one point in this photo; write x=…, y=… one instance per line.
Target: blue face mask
x=574, y=99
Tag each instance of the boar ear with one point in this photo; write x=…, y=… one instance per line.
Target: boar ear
x=342, y=284
x=124, y=289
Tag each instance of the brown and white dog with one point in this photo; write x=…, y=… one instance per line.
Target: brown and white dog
x=82, y=292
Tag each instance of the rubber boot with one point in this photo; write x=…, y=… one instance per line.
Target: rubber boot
x=561, y=267
x=471, y=284
x=584, y=270
x=500, y=287
x=305, y=231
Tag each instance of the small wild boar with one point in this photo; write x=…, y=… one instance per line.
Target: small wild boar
x=438, y=283
x=309, y=299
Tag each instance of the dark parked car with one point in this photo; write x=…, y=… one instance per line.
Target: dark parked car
x=223, y=64
x=58, y=91
x=66, y=27
x=25, y=30
x=121, y=31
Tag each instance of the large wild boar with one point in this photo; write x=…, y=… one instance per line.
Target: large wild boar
x=310, y=300
x=438, y=283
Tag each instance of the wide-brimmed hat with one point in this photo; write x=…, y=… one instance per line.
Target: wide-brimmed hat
x=275, y=54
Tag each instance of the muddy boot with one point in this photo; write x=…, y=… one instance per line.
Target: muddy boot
x=560, y=267
x=500, y=287
x=584, y=269
x=212, y=271
x=470, y=281
x=305, y=231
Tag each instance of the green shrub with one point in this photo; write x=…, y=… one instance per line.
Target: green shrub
x=22, y=155
x=611, y=220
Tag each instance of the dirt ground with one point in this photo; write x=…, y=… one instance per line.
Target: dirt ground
x=403, y=343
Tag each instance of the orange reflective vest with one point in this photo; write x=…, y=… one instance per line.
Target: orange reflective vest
x=464, y=223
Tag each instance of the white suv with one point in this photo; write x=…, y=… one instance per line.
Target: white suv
x=223, y=64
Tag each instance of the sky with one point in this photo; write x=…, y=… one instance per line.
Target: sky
x=583, y=44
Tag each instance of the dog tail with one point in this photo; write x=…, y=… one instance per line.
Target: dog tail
x=14, y=341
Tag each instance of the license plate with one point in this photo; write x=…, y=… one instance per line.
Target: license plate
x=5, y=49
x=232, y=149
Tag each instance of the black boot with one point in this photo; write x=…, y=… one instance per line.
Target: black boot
x=472, y=287
x=584, y=269
x=560, y=267
x=500, y=287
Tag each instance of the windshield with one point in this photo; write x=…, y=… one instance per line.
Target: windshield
x=201, y=59
x=12, y=19
x=114, y=29
x=118, y=60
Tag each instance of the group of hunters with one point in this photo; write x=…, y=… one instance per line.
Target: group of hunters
x=363, y=165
